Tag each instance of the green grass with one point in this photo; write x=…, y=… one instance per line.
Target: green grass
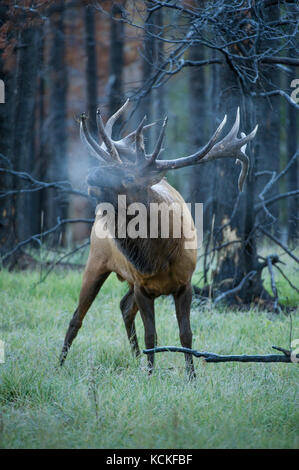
x=102, y=398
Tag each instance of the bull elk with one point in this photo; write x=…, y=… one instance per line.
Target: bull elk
x=151, y=266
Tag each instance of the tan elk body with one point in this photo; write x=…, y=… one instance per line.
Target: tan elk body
x=151, y=266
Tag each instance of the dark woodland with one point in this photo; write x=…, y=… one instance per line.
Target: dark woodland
x=193, y=61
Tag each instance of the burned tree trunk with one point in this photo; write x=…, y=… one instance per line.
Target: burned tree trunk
x=159, y=93
x=7, y=204
x=40, y=140
x=198, y=125
x=292, y=147
x=232, y=251
x=234, y=211
x=269, y=116
x=91, y=67
x=57, y=143
x=201, y=177
x=116, y=65
x=148, y=60
x=28, y=64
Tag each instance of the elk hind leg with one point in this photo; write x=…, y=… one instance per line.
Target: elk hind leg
x=129, y=310
x=182, y=299
x=146, y=307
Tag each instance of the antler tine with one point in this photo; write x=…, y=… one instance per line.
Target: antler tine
x=234, y=130
x=106, y=139
x=245, y=163
x=156, y=152
x=140, y=153
x=229, y=147
x=91, y=144
x=132, y=136
x=243, y=149
x=244, y=170
x=233, y=147
x=111, y=121
x=250, y=136
x=195, y=157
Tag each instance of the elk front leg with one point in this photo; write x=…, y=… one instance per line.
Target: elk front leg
x=182, y=299
x=129, y=310
x=91, y=285
x=146, y=307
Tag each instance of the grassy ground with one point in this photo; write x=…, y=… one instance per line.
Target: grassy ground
x=102, y=398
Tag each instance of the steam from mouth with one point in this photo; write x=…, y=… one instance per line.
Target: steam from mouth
x=104, y=177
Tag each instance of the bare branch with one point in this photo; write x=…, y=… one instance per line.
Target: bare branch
x=281, y=60
x=212, y=357
x=274, y=239
x=274, y=199
x=273, y=285
x=236, y=289
x=276, y=93
x=55, y=263
x=286, y=278
x=37, y=237
x=63, y=186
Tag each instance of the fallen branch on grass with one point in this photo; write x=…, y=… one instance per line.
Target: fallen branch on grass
x=212, y=357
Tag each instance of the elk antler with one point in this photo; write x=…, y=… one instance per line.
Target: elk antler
x=89, y=141
x=106, y=139
x=111, y=121
x=157, y=150
x=109, y=150
x=132, y=148
x=229, y=147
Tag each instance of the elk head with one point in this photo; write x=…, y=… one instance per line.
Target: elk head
x=124, y=165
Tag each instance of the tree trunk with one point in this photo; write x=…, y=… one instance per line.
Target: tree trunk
x=268, y=118
x=234, y=237
x=28, y=66
x=292, y=147
x=202, y=122
x=201, y=176
x=41, y=160
x=7, y=204
x=116, y=66
x=148, y=60
x=56, y=205
x=91, y=68
x=159, y=93
x=198, y=125
x=234, y=213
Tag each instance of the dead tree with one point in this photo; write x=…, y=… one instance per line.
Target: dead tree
x=91, y=66
x=116, y=62
x=251, y=43
x=57, y=145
